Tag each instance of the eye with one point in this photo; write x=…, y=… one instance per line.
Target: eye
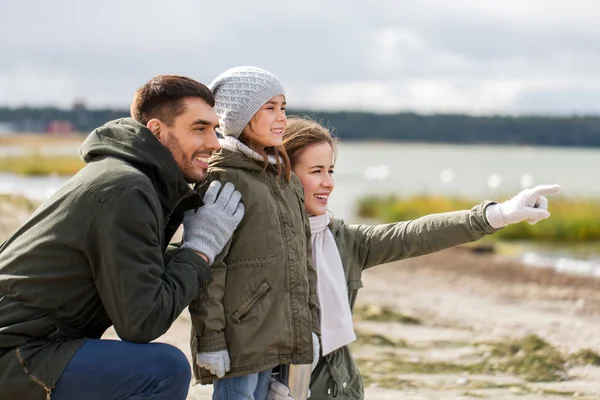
x=331, y=172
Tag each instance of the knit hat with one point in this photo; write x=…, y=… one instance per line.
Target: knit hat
x=239, y=93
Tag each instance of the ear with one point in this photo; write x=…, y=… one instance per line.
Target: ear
x=155, y=127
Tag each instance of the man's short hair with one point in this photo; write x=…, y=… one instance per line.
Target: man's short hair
x=162, y=97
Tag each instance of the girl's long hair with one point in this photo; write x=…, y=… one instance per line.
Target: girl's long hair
x=283, y=168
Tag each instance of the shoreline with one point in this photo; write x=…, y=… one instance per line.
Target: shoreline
x=543, y=256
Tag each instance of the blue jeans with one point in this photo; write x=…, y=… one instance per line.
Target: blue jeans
x=115, y=370
x=247, y=387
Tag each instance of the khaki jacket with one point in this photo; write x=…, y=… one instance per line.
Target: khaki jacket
x=261, y=305
x=362, y=247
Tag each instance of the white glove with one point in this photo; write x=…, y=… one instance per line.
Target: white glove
x=316, y=351
x=278, y=391
x=528, y=205
x=217, y=362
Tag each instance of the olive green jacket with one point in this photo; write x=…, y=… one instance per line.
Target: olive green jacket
x=92, y=256
x=262, y=304
x=362, y=247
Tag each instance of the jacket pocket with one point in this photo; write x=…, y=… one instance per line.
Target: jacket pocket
x=22, y=380
x=347, y=375
x=247, y=305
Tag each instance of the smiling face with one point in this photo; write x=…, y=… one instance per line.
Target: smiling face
x=315, y=167
x=267, y=125
x=191, y=138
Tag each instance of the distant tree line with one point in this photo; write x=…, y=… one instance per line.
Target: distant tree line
x=581, y=131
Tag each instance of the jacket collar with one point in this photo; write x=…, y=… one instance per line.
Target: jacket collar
x=134, y=143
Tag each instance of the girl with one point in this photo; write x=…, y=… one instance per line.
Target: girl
x=261, y=309
x=341, y=252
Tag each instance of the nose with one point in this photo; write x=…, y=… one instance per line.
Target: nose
x=213, y=142
x=282, y=116
x=328, y=181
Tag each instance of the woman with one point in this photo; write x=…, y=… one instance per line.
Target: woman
x=342, y=252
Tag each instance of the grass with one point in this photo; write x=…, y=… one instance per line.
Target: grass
x=383, y=314
x=37, y=165
x=35, y=162
x=371, y=339
x=571, y=220
x=549, y=392
x=474, y=394
x=36, y=140
x=530, y=358
x=402, y=366
x=514, y=387
x=584, y=357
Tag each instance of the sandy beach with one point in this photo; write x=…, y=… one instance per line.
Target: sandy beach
x=463, y=301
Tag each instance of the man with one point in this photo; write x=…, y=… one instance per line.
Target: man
x=93, y=256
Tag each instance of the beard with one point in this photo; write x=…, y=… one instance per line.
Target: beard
x=185, y=163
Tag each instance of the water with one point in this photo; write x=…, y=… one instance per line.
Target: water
x=34, y=187
x=477, y=172
x=577, y=259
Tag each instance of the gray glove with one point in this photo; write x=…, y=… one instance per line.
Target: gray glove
x=208, y=229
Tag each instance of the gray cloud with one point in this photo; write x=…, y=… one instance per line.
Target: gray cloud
x=422, y=55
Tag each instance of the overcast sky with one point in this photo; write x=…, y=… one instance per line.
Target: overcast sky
x=466, y=56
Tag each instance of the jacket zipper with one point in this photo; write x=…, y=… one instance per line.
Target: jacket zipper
x=47, y=388
x=285, y=252
x=182, y=198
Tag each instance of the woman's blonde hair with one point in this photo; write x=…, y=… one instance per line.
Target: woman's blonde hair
x=302, y=133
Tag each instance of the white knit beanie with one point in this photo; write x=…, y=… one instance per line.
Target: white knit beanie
x=239, y=93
